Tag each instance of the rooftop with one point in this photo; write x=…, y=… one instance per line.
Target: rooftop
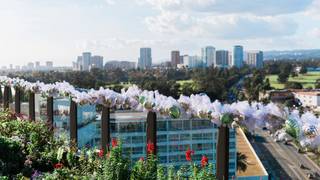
x=254, y=167
x=309, y=93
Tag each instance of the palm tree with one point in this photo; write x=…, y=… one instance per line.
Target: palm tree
x=242, y=162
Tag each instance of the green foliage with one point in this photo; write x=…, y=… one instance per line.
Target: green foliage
x=303, y=70
x=317, y=84
x=11, y=156
x=192, y=172
x=293, y=85
x=145, y=169
x=255, y=84
x=38, y=146
x=283, y=77
x=116, y=166
x=29, y=149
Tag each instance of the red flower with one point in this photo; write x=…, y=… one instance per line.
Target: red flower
x=189, y=153
x=141, y=159
x=114, y=142
x=58, y=166
x=150, y=148
x=101, y=153
x=204, y=161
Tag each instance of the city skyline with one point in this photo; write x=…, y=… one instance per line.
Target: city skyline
x=57, y=30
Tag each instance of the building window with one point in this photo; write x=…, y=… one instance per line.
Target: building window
x=185, y=137
x=162, y=138
x=174, y=137
x=162, y=125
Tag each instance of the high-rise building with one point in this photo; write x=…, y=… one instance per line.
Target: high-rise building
x=37, y=65
x=193, y=61
x=96, y=62
x=230, y=59
x=124, y=65
x=181, y=60
x=17, y=68
x=237, y=56
x=254, y=59
x=222, y=57
x=208, y=56
x=86, y=61
x=30, y=66
x=145, y=59
x=175, y=58
x=49, y=65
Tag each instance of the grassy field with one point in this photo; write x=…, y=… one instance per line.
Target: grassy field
x=307, y=80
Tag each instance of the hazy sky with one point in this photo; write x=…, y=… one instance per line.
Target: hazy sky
x=59, y=30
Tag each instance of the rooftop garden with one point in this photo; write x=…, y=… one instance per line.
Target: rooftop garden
x=61, y=159
x=28, y=149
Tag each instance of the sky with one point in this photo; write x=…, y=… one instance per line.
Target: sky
x=60, y=30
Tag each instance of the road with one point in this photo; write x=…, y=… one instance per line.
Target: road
x=280, y=160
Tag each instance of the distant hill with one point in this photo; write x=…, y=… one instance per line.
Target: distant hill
x=292, y=54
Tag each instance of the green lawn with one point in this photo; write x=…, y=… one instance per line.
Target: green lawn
x=307, y=80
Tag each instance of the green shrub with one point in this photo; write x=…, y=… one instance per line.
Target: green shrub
x=11, y=157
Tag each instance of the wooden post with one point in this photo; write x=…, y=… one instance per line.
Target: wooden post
x=222, y=153
x=32, y=111
x=105, y=128
x=6, y=97
x=17, y=100
x=50, y=112
x=10, y=95
x=73, y=123
x=152, y=130
x=1, y=97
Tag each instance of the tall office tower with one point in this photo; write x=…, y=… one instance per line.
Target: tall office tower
x=181, y=60
x=208, y=56
x=30, y=66
x=222, y=57
x=145, y=59
x=86, y=61
x=254, y=59
x=237, y=56
x=97, y=62
x=17, y=68
x=175, y=58
x=78, y=64
x=230, y=64
x=49, y=65
x=37, y=65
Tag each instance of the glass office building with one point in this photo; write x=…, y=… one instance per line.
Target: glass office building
x=174, y=136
